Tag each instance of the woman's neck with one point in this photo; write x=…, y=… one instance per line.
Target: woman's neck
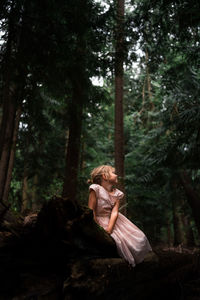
x=107, y=185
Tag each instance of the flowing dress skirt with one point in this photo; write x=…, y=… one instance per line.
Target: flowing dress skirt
x=132, y=244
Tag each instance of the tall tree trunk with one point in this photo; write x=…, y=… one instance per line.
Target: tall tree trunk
x=12, y=92
x=67, y=140
x=178, y=230
x=143, y=96
x=8, y=109
x=7, y=71
x=148, y=80
x=189, y=236
x=12, y=155
x=34, y=193
x=8, y=127
x=25, y=198
x=82, y=161
x=185, y=219
x=169, y=233
x=119, y=72
x=73, y=148
x=78, y=80
x=147, y=85
x=192, y=197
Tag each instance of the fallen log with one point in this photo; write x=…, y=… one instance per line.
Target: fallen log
x=46, y=243
x=61, y=253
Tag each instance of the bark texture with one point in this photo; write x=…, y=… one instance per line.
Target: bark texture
x=79, y=94
x=8, y=125
x=14, y=78
x=192, y=197
x=73, y=148
x=119, y=84
x=25, y=196
x=12, y=156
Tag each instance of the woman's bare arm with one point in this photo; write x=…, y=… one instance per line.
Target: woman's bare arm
x=92, y=202
x=113, y=217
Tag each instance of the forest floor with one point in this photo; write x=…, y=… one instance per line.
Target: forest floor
x=49, y=258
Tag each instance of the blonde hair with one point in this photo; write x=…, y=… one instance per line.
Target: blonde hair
x=96, y=174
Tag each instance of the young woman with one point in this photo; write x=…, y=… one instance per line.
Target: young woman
x=104, y=200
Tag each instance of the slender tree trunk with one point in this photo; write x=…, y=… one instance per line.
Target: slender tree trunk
x=148, y=80
x=119, y=83
x=34, y=200
x=12, y=155
x=8, y=84
x=143, y=97
x=169, y=233
x=67, y=140
x=147, y=85
x=79, y=94
x=192, y=197
x=189, y=236
x=73, y=149
x=9, y=125
x=25, y=198
x=11, y=93
x=185, y=220
x=178, y=228
x=82, y=161
x=176, y=224
x=7, y=71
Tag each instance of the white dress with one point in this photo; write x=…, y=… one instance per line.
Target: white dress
x=131, y=242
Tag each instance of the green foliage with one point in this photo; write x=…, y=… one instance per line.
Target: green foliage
x=161, y=98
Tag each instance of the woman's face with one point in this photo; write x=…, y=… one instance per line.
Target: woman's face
x=113, y=177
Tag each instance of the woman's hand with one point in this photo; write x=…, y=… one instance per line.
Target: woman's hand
x=108, y=230
x=113, y=217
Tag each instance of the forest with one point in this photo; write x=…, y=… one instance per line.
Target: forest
x=85, y=83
